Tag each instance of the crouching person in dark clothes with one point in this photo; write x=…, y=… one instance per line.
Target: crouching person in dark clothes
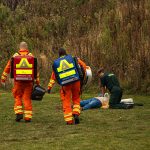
x=109, y=81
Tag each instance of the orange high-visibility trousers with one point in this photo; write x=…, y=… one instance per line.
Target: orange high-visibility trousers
x=22, y=94
x=68, y=91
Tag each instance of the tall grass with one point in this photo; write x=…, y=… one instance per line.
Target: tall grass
x=114, y=34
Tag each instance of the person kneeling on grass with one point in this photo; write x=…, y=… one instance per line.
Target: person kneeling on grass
x=96, y=102
x=110, y=81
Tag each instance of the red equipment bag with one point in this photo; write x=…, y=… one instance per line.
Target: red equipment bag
x=24, y=68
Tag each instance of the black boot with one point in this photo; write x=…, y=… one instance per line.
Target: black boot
x=27, y=121
x=76, y=119
x=129, y=106
x=19, y=117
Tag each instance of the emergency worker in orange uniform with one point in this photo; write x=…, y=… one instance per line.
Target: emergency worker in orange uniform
x=66, y=73
x=23, y=81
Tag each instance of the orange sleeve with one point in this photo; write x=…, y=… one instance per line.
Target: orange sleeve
x=81, y=63
x=37, y=80
x=52, y=80
x=6, y=71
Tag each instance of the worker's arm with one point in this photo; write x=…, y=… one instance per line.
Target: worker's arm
x=37, y=80
x=81, y=63
x=102, y=87
x=103, y=90
x=6, y=72
x=51, y=82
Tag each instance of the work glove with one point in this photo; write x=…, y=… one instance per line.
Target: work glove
x=37, y=82
x=49, y=91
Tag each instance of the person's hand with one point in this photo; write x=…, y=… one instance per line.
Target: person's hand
x=106, y=95
x=100, y=95
x=81, y=108
x=49, y=91
x=37, y=82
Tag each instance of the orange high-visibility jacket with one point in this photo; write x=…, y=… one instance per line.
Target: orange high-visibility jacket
x=8, y=67
x=53, y=78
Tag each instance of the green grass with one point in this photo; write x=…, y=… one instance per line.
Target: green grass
x=99, y=129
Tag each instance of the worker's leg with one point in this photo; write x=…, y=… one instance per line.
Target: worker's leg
x=62, y=94
x=91, y=103
x=121, y=106
x=17, y=93
x=76, y=101
x=120, y=92
x=66, y=102
x=116, y=95
x=27, y=101
x=76, y=97
x=115, y=98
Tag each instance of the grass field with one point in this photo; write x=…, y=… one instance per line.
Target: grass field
x=99, y=129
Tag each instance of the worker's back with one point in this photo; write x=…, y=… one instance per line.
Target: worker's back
x=109, y=80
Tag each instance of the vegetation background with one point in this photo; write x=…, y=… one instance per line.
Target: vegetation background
x=110, y=33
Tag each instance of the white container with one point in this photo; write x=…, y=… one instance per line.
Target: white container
x=88, y=75
x=127, y=101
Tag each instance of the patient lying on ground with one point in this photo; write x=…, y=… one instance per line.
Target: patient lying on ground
x=96, y=102
x=103, y=102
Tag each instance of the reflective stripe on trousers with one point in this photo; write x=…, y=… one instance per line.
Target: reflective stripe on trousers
x=76, y=109
x=28, y=114
x=68, y=117
x=18, y=110
x=68, y=91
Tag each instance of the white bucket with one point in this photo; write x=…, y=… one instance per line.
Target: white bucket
x=88, y=75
